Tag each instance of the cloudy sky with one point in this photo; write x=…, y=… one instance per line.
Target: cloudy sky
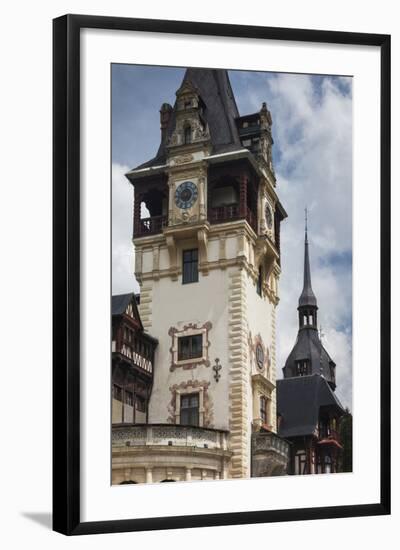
x=312, y=131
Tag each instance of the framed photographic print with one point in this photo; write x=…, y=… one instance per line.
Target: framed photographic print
x=221, y=274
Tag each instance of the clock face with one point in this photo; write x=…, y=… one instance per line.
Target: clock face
x=268, y=216
x=186, y=195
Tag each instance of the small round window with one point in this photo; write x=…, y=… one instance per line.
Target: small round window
x=260, y=356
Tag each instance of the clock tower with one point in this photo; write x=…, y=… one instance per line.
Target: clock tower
x=207, y=259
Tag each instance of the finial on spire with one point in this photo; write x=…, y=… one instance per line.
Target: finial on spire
x=305, y=223
x=307, y=297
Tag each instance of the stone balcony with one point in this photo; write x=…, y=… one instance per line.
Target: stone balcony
x=150, y=453
x=169, y=435
x=270, y=454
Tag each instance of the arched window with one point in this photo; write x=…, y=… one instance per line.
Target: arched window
x=187, y=134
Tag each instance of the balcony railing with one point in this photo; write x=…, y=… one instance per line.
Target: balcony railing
x=150, y=226
x=222, y=214
x=170, y=435
x=136, y=351
x=268, y=441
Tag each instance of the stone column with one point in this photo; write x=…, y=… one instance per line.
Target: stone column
x=188, y=474
x=149, y=475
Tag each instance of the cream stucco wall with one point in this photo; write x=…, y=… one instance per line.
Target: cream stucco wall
x=176, y=305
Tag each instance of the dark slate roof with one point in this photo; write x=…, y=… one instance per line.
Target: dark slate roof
x=309, y=346
x=120, y=302
x=215, y=90
x=299, y=401
x=307, y=297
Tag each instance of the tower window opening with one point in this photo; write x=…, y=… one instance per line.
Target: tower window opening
x=187, y=135
x=302, y=367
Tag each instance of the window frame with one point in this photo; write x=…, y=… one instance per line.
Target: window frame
x=264, y=409
x=194, y=271
x=189, y=409
x=190, y=338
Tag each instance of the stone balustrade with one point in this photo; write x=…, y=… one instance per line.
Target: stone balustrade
x=168, y=435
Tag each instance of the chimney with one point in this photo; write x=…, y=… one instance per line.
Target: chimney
x=165, y=115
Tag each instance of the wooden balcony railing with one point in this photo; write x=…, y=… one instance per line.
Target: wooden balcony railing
x=136, y=351
x=150, y=226
x=222, y=214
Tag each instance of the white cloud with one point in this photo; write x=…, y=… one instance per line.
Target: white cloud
x=314, y=132
x=123, y=279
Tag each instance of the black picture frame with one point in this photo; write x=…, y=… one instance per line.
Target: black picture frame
x=66, y=273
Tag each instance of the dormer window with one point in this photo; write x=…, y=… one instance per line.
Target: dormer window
x=187, y=135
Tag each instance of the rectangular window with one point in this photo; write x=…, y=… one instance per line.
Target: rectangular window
x=129, y=398
x=263, y=409
x=140, y=403
x=117, y=392
x=190, y=267
x=190, y=347
x=300, y=463
x=190, y=409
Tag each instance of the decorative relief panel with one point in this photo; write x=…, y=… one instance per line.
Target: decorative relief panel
x=260, y=355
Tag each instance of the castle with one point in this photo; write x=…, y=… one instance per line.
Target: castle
x=194, y=371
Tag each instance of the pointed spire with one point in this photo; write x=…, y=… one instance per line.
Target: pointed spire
x=307, y=297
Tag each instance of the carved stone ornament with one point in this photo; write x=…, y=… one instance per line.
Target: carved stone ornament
x=183, y=159
x=206, y=408
x=191, y=329
x=260, y=354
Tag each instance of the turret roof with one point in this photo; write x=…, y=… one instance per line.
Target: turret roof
x=214, y=88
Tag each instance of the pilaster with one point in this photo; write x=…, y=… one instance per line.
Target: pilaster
x=238, y=360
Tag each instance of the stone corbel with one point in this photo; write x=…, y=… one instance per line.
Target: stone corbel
x=202, y=240
x=173, y=266
x=260, y=250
